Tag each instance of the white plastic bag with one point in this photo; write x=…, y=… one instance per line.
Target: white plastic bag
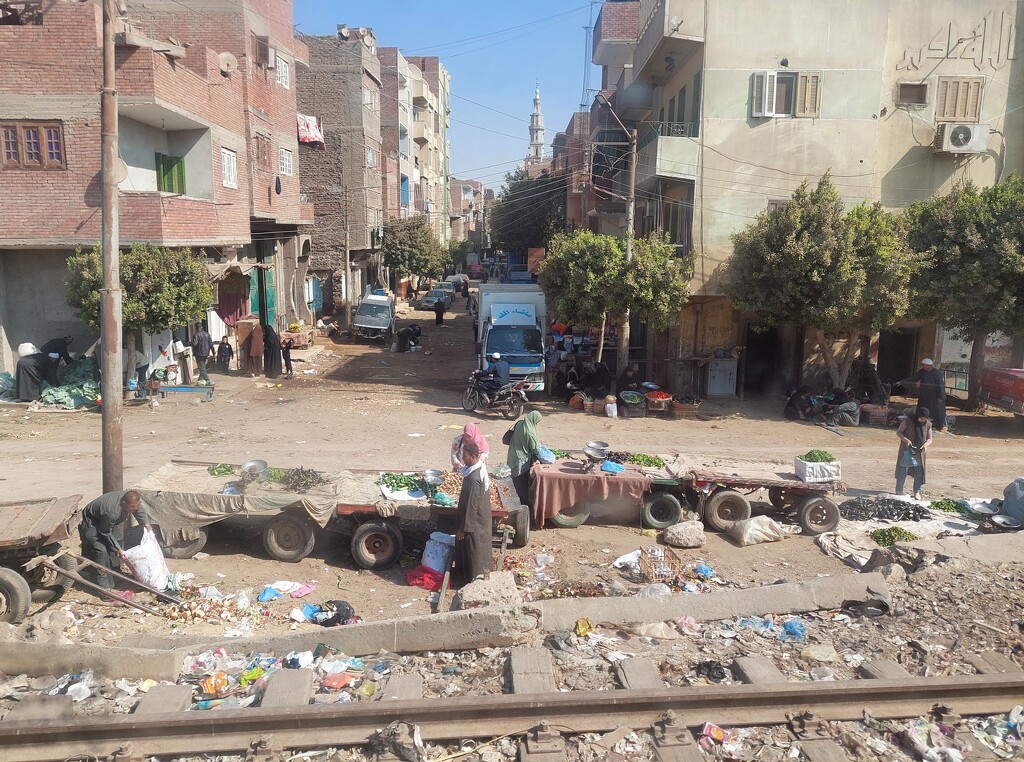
x=435, y=555
x=686, y=534
x=756, y=530
x=148, y=562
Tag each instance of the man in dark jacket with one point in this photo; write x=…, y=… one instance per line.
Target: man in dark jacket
x=202, y=346
x=100, y=519
x=58, y=347
x=931, y=392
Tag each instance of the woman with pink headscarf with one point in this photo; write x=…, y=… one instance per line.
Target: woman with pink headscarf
x=471, y=433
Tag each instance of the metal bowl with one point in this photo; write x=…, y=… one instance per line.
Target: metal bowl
x=254, y=467
x=598, y=445
x=433, y=476
x=1006, y=522
x=983, y=508
x=594, y=453
x=650, y=386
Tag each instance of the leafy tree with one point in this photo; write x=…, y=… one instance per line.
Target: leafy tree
x=411, y=248
x=458, y=251
x=163, y=288
x=811, y=263
x=529, y=212
x=972, y=274
x=656, y=284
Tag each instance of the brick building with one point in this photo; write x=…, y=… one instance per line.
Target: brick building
x=199, y=132
x=396, y=133
x=431, y=118
x=469, y=213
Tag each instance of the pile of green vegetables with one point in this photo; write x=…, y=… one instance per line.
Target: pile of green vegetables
x=647, y=461
x=891, y=535
x=221, y=469
x=953, y=506
x=818, y=456
x=560, y=454
x=77, y=388
x=400, y=482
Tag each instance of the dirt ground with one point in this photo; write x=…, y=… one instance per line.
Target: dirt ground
x=360, y=406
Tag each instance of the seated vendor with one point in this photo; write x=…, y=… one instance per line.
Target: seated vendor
x=839, y=410
x=629, y=381
x=800, y=407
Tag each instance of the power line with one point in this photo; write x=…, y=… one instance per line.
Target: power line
x=528, y=24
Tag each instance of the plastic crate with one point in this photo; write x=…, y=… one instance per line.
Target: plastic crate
x=660, y=564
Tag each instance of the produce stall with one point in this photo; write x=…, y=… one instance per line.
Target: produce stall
x=566, y=491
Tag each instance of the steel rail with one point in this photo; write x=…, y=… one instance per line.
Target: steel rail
x=319, y=726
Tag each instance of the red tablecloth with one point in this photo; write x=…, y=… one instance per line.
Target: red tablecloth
x=561, y=485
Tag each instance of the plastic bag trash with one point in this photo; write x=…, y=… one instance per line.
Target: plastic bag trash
x=175, y=580
x=147, y=560
x=544, y=559
x=210, y=593
x=79, y=692
x=686, y=534
x=298, y=659
x=823, y=674
x=658, y=631
x=712, y=670
x=303, y=591
x=241, y=630
x=756, y=530
x=704, y=571
x=686, y=625
x=630, y=561
x=654, y=590
x=761, y=626
x=243, y=601
x=793, y=631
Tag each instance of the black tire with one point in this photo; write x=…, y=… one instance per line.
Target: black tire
x=661, y=510
x=470, y=399
x=15, y=596
x=572, y=517
x=188, y=549
x=818, y=515
x=725, y=508
x=521, y=523
x=376, y=545
x=514, y=408
x=777, y=497
x=289, y=538
x=46, y=584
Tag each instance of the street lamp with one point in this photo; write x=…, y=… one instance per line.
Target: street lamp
x=622, y=349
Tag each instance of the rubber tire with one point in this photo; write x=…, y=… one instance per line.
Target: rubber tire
x=376, y=545
x=514, y=409
x=661, y=511
x=818, y=515
x=777, y=497
x=575, y=516
x=15, y=596
x=521, y=523
x=724, y=508
x=470, y=400
x=48, y=593
x=189, y=549
x=289, y=538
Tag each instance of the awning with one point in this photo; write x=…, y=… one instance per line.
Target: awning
x=221, y=271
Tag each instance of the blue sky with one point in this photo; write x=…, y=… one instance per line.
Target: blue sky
x=496, y=51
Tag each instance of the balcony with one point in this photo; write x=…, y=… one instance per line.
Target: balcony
x=671, y=33
x=667, y=150
x=615, y=33
x=421, y=132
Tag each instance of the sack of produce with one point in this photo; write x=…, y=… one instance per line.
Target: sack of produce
x=686, y=534
x=148, y=562
x=756, y=530
x=435, y=555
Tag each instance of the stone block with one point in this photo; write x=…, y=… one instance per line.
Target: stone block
x=288, y=687
x=756, y=670
x=531, y=670
x=41, y=707
x=638, y=674
x=497, y=589
x=165, y=699
x=882, y=669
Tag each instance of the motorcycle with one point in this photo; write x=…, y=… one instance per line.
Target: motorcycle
x=510, y=400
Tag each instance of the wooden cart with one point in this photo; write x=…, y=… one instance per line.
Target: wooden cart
x=30, y=529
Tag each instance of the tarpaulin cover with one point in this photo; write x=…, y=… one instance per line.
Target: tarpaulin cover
x=563, y=484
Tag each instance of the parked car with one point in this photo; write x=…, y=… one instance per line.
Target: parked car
x=457, y=280
x=478, y=272
x=434, y=295
x=375, y=318
x=448, y=286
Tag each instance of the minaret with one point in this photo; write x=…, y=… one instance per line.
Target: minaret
x=536, y=130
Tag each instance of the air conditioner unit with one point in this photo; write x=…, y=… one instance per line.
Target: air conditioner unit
x=961, y=138
x=271, y=58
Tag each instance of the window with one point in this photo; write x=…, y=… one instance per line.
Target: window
x=284, y=73
x=371, y=99
x=672, y=109
x=912, y=94
x=958, y=99
x=784, y=93
x=170, y=174
x=284, y=161
x=261, y=50
x=371, y=157
x=31, y=146
x=228, y=168
x=681, y=108
x=777, y=203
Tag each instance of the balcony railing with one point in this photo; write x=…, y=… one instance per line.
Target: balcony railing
x=651, y=131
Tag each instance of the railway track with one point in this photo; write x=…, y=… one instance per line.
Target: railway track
x=267, y=731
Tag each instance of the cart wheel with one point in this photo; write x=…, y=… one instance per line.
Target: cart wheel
x=46, y=584
x=661, y=511
x=571, y=517
x=514, y=409
x=818, y=514
x=778, y=498
x=521, y=523
x=470, y=400
x=725, y=508
x=15, y=596
x=188, y=549
x=288, y=538
x=376, y=545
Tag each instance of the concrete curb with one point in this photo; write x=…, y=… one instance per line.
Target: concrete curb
x=36, y=659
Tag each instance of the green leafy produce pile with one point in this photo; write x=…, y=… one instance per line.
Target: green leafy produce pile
x=647, y=461
x=276, y=474
x=953, y=506
x=221, y=469
x=399, y=482
x=818, y=456
x=560, y=454
x=301, y=479
x=77, y=388
x=8, y=386
x=890, y=535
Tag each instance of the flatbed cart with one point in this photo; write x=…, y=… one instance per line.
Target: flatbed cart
x=509, y=517
x=32, y=529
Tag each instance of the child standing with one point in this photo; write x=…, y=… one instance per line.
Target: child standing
x=286, y=353
x=224, y=355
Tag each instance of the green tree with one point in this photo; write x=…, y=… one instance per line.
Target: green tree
x=972, y=275
x=809, y=262
x=529, y=212
x=163, y=288
x=411, y=248
x=458, y=251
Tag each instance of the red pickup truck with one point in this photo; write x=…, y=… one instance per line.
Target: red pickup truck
x=1003, y=388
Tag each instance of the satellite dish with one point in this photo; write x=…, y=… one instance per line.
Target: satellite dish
x=343, y=32
x=373, y=50
x=119, y=171
x=228, y=63
x=393, y=154
x=362, y=31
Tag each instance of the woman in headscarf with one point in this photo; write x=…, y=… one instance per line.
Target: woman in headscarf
x=470, y=433
x=522, y=452
x=271, y=352
x=915, y=435
x=253, y=345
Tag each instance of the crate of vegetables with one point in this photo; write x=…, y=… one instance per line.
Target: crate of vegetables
x=657, y=401
x=684, y=408
x=818, y=466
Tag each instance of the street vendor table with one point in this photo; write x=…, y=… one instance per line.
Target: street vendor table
x=559, y=486
x=302, y=338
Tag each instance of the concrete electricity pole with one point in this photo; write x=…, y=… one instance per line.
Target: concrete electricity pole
x=110, y=294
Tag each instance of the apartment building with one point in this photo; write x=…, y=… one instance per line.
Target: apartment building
x=468, y=213
x=431, y=119
x=344, y=181
x=570, y=156
x=735, y=104
x=207, y=125
x=396, y=133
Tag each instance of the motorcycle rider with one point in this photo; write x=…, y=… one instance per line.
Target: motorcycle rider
x=500, y=377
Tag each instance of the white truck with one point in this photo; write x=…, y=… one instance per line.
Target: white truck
x=513, y=322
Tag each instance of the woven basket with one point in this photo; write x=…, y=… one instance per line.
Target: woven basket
x=682, y=411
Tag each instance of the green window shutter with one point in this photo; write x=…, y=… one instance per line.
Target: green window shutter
x=178, y=174
x=170, y=174
x=161, y=173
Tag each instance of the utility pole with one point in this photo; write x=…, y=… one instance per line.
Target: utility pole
x=110, y=294
x=622, y=353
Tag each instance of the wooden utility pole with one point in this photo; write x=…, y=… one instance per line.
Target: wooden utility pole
x=110, y=295
x=622, y=353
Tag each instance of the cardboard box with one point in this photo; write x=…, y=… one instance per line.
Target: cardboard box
x=818, y=472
